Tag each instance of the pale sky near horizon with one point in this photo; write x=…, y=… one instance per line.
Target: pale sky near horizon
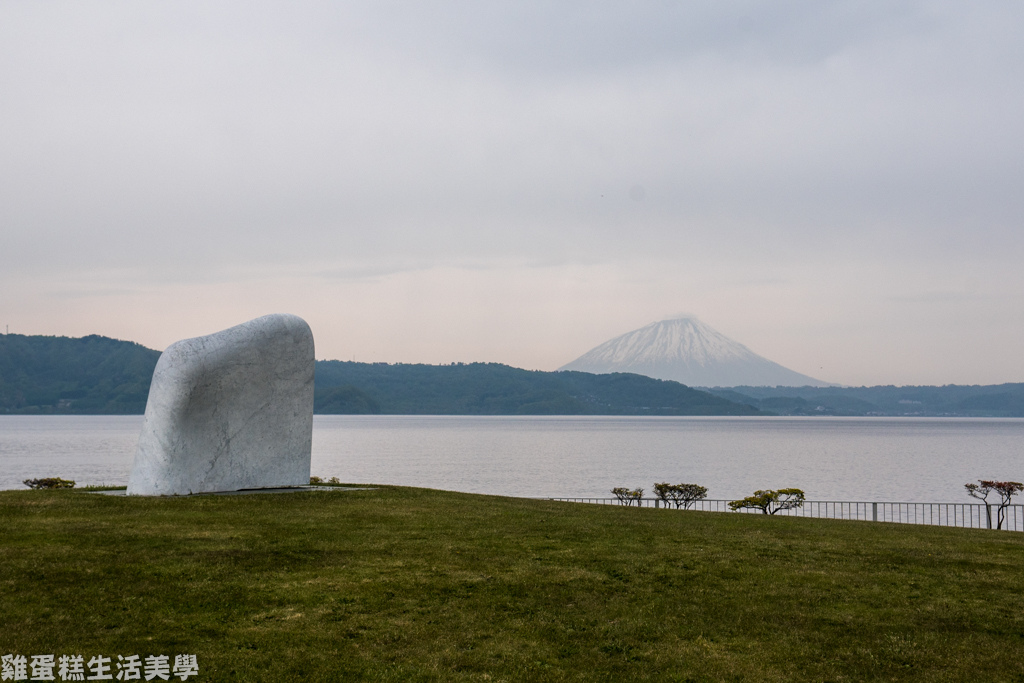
x=836, y=185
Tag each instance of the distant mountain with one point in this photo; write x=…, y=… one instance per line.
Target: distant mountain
x=496, y=389
x=97, y=375
x=951, y=400
x=686, y=350
x=88, y=375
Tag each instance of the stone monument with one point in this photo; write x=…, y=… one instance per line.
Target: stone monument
x=229, y=411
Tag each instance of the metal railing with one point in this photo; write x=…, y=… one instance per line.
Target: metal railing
x=967, y=515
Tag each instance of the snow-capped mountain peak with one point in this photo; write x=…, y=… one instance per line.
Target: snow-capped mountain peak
x=687, y=350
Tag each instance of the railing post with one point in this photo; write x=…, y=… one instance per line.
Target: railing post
x=657, y=503
x=874, y=512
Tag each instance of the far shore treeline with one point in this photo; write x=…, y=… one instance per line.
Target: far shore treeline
x=98, y=375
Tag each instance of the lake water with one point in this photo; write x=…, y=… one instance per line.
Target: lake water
x=872, y=459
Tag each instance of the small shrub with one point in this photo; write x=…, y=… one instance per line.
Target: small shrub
x=315, y=481
x=49, y=483
x=627, y=496
x=681, y=495
x=769, y=502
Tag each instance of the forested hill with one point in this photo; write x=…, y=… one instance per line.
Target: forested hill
x=98, y=375
x=999, y=400
x=495, y=389
x=87, y=375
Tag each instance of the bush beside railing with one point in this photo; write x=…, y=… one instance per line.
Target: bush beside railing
x=966, y=515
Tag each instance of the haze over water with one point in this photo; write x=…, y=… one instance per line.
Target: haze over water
x=879, y=459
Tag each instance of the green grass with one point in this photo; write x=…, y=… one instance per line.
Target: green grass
x=398, y=584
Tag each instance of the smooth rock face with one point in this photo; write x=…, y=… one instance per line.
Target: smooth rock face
x=229, y=411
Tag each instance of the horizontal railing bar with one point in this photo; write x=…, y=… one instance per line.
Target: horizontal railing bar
x=845, y=502
x=965, y=515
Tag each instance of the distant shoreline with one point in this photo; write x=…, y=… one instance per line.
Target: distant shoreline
x=97, y=375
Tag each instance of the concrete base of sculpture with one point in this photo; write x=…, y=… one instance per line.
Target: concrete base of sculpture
x=229, y=411
x=247, y=492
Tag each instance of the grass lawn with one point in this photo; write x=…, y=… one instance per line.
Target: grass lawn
x=399, y=584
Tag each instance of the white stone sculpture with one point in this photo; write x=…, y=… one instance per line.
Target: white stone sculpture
x=229, y=411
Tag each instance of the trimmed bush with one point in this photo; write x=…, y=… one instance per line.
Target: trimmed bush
x=49, y=483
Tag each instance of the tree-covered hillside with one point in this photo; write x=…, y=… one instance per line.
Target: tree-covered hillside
x=1001, y=400
x=88, y=375
x=495, y=389
x=98, y=375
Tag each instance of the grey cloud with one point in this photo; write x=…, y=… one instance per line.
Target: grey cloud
x=566, y=39
x=194, y=138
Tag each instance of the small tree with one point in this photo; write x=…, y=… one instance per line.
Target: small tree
x=981, y=491
x=681, y=495
x=627, y=497
x=769, y=502
x=49, y=483
x=1005, y=489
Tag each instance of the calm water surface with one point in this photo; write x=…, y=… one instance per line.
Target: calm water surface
x=919, y=459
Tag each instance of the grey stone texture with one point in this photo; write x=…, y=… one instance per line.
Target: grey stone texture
x=229, y=411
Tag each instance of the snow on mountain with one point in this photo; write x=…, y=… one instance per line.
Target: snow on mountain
x=688, y=351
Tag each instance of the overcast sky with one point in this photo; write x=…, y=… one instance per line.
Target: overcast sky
x=837, y=185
